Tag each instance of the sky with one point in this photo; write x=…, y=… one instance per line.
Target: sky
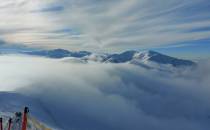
x=175, y=27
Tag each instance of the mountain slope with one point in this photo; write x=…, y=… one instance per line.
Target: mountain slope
x=121, y=58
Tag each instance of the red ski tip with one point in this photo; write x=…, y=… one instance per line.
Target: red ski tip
x=24, y=123
x=26, y=110
x=1, y=125
x=10, y=123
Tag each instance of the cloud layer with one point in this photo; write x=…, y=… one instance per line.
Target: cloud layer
x=110, y=25
x=106, y=96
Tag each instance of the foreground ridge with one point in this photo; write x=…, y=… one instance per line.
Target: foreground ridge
x=21, y=121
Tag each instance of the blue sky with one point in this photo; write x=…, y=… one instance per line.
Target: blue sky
x=176, y=27
x=189, y=50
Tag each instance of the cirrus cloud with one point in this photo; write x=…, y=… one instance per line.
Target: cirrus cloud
x=110, y=25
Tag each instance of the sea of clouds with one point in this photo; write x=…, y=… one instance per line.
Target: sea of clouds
x=98, y=96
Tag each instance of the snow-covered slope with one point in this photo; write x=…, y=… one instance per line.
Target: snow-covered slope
x=13, y=102
x=162, y=59
x=146, y=57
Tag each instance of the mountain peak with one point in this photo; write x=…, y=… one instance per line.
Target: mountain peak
x=148, y=56
x=164, y=59
x=59, y=50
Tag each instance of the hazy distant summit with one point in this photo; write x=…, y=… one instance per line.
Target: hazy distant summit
x=58, y=53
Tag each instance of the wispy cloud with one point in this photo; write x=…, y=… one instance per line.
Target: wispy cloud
x=52, y=8
x=110, y=25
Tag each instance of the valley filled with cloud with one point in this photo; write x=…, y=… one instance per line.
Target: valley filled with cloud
x=83, y=96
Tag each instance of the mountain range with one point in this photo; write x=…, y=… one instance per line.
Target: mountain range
x=135, y=57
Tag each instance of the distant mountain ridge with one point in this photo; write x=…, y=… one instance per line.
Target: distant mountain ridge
x=58, y=53
x=127, y=56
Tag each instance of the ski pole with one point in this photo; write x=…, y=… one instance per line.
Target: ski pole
x=10, y=122
x=1, y=125
x=24, y=123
